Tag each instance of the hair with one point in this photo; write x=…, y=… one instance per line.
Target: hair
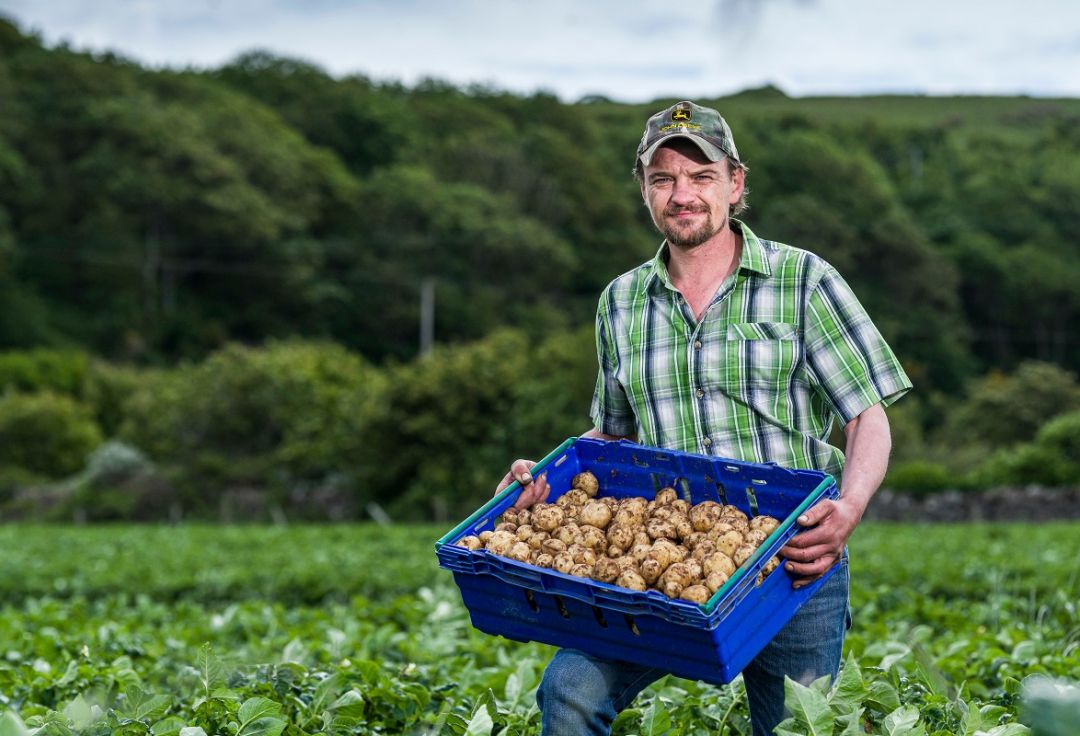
x=744, y=200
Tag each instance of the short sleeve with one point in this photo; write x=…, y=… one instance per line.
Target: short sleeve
x=849, y=362
x=611, y=411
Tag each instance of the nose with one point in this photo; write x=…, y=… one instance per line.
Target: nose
x=681, y=191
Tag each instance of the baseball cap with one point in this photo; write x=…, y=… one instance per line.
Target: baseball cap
x=702, y=125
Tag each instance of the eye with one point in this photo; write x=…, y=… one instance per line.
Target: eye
x=703, y=178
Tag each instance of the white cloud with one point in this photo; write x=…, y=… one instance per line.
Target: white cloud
x=626, y=51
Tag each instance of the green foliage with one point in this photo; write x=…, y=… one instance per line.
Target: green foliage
x=1051, y=707
x=317, y=630
x=46, y=433
x=1027, y=464
x=440, y=438
x=906, y=430
x=1004, y=409
x=132, y=202
x=273, y=417
x=59, y=371
x=920, y=477
x=1062, y=435
x=108, y=387
x=454, y=419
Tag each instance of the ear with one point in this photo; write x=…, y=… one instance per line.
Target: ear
x=738, y=183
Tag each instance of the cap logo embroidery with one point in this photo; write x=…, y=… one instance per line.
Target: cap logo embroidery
x=681, y=113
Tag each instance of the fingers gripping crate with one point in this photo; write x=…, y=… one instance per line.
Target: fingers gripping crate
x=711, y=642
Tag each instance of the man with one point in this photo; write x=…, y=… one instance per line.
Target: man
x=725, y=344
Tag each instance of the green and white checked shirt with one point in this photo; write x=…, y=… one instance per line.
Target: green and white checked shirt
x=783, y=346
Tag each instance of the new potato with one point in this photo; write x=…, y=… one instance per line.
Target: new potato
x=687, y=552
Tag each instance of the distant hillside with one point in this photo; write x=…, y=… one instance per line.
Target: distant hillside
x=153, y=215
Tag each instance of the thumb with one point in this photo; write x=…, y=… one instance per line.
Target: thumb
x=815, y=514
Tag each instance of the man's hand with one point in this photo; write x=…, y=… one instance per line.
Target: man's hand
x=533, y=490
x=828, y=524
x=811, y=553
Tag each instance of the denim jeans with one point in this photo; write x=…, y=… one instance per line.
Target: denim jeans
x=581, y=694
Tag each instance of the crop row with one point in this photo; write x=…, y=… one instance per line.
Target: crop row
x=255, y=631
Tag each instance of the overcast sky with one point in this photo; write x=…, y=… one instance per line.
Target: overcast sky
x=629, y=51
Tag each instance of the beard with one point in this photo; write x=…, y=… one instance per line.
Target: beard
x=686, y=234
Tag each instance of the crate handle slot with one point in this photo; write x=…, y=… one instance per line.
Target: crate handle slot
x=760, y=482
x=684, y=484
x=631, y=625
x=639, y=462
x=731, y=468
x=532, y=600
x=482, y=523
x=721, y=493
x=751, y=501
x=561, y=606
x=599, y=617
x=561, y=460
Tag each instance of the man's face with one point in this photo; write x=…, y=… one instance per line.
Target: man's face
x=688, y=195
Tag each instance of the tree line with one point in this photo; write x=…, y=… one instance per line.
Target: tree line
x=151, y=218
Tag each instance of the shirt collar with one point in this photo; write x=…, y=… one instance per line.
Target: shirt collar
x=753, y=258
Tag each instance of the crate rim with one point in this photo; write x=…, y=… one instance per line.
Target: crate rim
x=709, y=606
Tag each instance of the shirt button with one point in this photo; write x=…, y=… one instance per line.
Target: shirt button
x=697, y=344
x=700, y=393
x=706, y=442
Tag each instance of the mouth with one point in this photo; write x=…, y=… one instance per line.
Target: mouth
x=684, y=214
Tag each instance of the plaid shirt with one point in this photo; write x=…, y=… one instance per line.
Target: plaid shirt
x=783, y=346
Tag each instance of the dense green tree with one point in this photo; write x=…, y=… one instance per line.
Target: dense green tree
x=1005, y=409
x=159, y=214
x=364, y=125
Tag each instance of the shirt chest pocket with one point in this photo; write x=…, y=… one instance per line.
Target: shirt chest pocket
x=756, y=361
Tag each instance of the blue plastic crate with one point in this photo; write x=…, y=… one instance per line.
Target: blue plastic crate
x=711, y=642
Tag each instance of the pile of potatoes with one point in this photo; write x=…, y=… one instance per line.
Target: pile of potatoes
x=665, y=544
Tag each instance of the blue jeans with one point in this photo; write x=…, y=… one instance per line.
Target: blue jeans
x=581, y=694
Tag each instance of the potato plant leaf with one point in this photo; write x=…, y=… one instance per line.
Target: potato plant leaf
x=903, y=721
x=851, y=723
x=349, y=705
x=655, y=719
x=1008, y=729
x=170, y=726
x=12, y=725
x=81, y=713
x=210, y=669
x=480, y=724
x=850, y=690
x=809, y=708
x=324, y=691
x=142, y=706
x=883, y=695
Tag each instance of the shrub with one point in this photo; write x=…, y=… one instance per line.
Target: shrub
x=46, y=433
x=1062, y=435
x=920, y=477
x=443, y=438
x=13, y=479
x=454, y=420
x=266, y=417
x=1002, y=410
x=108, y=388
x=29, y=371
x=1026, y=464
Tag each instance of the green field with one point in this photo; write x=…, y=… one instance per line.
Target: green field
x=255, y=631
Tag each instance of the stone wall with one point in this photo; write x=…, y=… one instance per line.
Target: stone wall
x=1033, y=503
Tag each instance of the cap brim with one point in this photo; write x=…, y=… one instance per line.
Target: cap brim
x=712, y=152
